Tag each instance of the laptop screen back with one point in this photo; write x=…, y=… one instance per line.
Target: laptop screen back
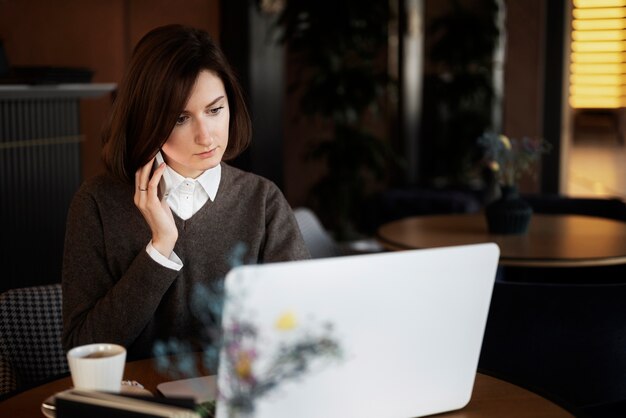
x=409, y=324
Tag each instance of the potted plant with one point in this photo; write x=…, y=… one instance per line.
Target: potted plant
x=461, y=40
x=342, y=82
x=509, y=159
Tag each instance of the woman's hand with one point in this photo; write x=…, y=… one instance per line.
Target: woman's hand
x=156, y=212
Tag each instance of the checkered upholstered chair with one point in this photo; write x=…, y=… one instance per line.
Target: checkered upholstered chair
x=30, y=336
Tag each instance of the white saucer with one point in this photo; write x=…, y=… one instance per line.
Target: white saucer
x=48, y=407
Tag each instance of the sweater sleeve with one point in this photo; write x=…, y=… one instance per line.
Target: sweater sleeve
x=283, y=240
x=97, y=305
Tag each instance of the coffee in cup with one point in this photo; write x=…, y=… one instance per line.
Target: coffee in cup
x=97, y=366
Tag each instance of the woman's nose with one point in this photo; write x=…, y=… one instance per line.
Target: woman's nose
x=203, y=133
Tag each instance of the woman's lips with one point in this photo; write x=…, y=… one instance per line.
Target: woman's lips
x=207, y=154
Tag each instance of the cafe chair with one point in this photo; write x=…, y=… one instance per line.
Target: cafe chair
x=395, y=204
x=566, y=342
x=30, y=336
x=318, y=241
x=610, y=208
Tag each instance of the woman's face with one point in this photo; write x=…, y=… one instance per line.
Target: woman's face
x=200, y=137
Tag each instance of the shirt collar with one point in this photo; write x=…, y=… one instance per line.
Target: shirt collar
x=209, y=180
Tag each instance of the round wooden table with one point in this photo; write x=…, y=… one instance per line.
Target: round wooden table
x=491, y=397
x=551, y=241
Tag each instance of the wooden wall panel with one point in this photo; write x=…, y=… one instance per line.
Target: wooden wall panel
x=97, y=34
x=148, y=14
x=64, y=33
x=523, y=77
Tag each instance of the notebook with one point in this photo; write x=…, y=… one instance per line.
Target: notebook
x=409, y=326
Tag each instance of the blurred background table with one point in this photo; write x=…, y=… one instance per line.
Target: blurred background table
x=551, y=241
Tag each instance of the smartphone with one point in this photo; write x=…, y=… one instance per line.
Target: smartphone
x=166, y=179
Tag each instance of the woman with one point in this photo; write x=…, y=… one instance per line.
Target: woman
x=142, y=236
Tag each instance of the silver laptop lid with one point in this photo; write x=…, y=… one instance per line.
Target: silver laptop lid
x=409, y=324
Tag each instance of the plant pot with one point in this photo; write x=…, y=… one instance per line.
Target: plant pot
x=510, y=214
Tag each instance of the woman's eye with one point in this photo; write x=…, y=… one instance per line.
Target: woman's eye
x=181, y=119
x=216, y=110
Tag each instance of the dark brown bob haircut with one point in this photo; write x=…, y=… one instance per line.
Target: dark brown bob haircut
x=162, y=71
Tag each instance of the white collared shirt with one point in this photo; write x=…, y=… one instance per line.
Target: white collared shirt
x=185, y=196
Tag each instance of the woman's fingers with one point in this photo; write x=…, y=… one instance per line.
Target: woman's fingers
x=142, y=176
x=153, y=184
x=157, y=214
x=141, y=181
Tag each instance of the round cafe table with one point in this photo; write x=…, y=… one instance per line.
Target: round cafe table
x=491, y=397
x=551, y=240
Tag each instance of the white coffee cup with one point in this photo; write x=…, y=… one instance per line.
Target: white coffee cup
x=97, y=366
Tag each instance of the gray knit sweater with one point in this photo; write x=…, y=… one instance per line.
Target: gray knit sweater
x=114, y=292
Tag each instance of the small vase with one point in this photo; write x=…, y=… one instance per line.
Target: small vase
x=510, y=214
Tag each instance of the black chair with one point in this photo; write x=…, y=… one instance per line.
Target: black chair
x=610, y=208
x=566, y=342
x=30, y=337
x=395, y=204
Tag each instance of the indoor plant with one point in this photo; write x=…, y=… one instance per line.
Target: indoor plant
x=341, y=79
x=509, y=159
x=460, y=95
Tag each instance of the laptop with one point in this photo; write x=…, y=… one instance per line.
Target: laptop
x=409, y=326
